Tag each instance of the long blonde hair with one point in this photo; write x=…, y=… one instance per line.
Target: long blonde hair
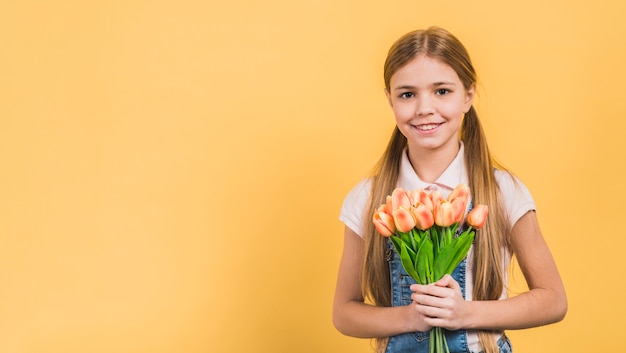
x=439, y=44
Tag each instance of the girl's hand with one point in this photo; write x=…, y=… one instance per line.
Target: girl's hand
x=416, y=320
x=441, y=304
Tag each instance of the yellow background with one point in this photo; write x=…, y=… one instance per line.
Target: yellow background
x=172, y=171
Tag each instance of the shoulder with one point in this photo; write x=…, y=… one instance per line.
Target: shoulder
x=514, y=195
x=360, y=191
x=510, y=185
x=354, y=204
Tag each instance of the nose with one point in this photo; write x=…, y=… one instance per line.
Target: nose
x=425, y=106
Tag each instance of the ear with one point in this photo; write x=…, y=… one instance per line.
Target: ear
x=469, y=97
x=388, y=97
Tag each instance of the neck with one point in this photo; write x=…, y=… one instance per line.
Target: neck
x=429, y=164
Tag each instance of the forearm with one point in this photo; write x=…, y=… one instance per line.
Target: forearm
x=544, y=303
x=357, y=319
x=536, y=307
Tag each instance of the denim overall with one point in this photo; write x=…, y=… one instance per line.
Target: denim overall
x=416, y=342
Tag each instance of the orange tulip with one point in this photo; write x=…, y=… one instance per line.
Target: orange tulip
x=458, y=209
x=388, y=207
x=444, y=213
x=384, y=224
x=420, y=196
x=478, y=216
x=435, y=197
x=399, y=197
x=424, y=218
x=403, y=218
x=383, y=209
x=461, y=191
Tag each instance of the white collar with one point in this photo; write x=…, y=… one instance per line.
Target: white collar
x=454, y=174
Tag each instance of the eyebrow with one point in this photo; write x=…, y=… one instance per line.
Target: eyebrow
x=436, y=84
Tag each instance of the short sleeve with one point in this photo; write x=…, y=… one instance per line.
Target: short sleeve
x=352, y=212
x=515, y=196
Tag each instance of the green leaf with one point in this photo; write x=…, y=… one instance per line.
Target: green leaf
x=406, y=258
x=412, y=238
x=452, y=255
x=424, y=262
x=415, y=236
x=454, y=227
x=397, y=243
x=405, y=237
x=435, y=237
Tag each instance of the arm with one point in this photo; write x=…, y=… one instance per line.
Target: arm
x=351, y=315
x=545, y=301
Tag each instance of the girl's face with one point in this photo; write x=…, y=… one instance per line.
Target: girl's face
x=429, y=100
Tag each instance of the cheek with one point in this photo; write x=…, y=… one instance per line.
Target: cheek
x=403, y=111
x=453, y=111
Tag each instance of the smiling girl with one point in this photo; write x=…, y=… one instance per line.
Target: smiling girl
x=437, y=144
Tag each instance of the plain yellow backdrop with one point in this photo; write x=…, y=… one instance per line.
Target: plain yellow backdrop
x=172, y=171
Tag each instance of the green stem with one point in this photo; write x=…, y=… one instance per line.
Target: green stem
x=413, y=242
x=438, y=342
x=432, y=343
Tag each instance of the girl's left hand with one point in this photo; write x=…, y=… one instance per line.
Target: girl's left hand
x=441, y=303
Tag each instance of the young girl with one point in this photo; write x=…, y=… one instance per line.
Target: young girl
x=439, y=143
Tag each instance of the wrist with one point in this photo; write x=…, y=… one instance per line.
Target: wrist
x=472, y=316
x=413, y=321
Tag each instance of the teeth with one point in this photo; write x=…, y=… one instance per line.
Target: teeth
x=427, y=127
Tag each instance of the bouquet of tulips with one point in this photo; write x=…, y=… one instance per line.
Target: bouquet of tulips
x=422, y=228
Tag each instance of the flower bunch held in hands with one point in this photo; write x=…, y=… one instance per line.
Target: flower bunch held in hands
x=422, y=227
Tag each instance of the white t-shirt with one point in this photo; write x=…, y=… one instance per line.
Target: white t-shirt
x=514, y=194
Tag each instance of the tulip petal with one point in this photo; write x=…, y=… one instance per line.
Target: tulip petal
x=384, y=224
x=424, y=217
x=444, y=214
x=403, y=219
x=421, y=196
x=458, y=209
x=388, y=207
x=435, y=197
x=399, y=198
x=461, y=191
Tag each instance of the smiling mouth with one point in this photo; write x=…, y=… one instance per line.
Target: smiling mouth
x=427, y=127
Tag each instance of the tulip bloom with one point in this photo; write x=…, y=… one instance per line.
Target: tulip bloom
x=387, y=205
x=403, y=218
x=420, y=196
x=478, y=216
x=460, y=192
x=444, y=214
x=399, y=197
x=424, y=218
x=459, y=198
x=458, y=209
x=435, y=197
x=384, y=224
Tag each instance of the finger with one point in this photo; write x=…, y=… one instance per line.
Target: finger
x=448, y=281
x=432, y=298
x=433, y=291
x=431, y=312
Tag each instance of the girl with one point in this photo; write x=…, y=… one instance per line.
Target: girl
x=437, y=144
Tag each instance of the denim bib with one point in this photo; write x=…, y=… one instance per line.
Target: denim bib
x=416, y=342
